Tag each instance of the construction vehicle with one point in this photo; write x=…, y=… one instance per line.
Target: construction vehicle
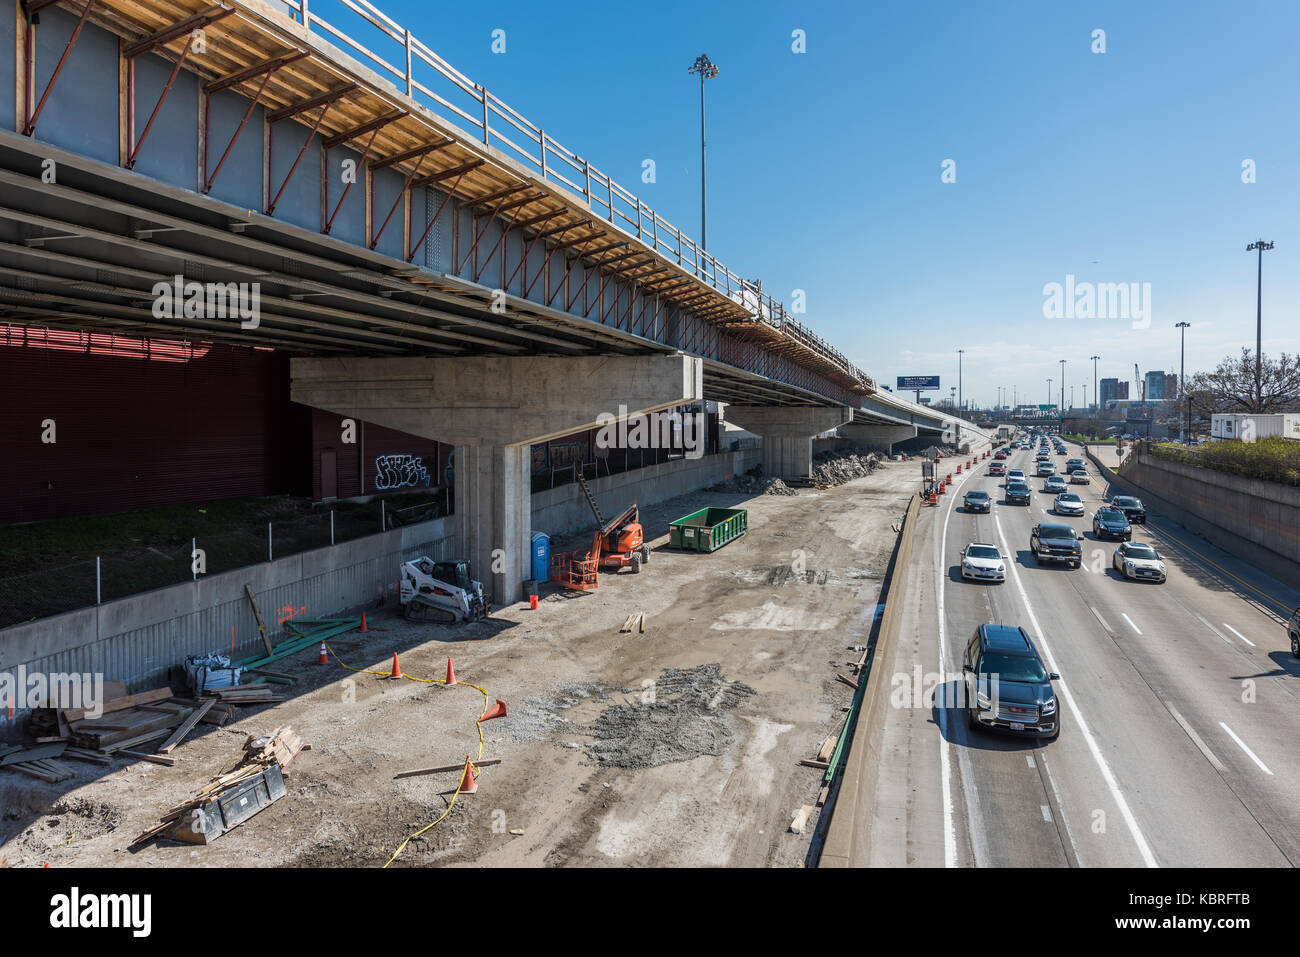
x=441, y=592
x=616, y=543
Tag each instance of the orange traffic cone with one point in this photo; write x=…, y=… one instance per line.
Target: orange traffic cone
x=498, y=710
x=324, y=658
x=397, y=669
x=451, y=674
x=363, y=620
x=468, y=783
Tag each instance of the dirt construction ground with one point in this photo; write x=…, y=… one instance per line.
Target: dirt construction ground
x=679, y=746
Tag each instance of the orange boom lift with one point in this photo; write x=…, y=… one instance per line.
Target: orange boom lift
x=617, y=543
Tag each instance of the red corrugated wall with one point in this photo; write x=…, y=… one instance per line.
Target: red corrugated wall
x=141, y=423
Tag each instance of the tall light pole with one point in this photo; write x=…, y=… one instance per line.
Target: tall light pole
x=1049, y=391
x=1259, y=245
x=1062, y=405
x=1095, y=394
x=1085, y=397
x=960, y=353
x=707, y=71
x=1182, y=328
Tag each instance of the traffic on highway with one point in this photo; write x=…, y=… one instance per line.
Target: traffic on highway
x=1109, y=690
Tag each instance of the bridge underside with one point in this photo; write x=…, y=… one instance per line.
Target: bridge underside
x=86, y=253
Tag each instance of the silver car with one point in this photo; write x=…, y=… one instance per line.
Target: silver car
x=1068, y=503
x=1055, y=485
x=1046, y=468
x=1079, y=477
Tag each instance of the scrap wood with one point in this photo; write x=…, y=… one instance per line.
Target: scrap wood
x=848, y=681
x=121, y=704
x=165, y=760
x=801, y=819
x=93, y=757
x=187, y=726
x=827, y=748
x=447, y=768
x=257, y=615
x=821, y=765
x=9, y=748
x=628, y=623
x=38, y=753
x=132, y=742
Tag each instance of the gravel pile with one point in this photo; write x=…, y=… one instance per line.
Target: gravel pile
x=684, y=720
x=539, y=718
x=836, y=468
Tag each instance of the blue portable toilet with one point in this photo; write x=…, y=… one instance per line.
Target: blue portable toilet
x=541, y=567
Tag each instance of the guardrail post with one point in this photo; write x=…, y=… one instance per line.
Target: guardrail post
x=543, y=139
x=486, y=127
x=409, y=87
x=306, y=16
x=586, y=190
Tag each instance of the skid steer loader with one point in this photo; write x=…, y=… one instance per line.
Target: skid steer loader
x=441, y=592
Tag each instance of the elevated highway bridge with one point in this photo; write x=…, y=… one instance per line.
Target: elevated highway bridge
x=433, y=260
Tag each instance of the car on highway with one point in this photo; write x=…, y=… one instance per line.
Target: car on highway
x=977, y=500
x=1138, y=561
x=1054, y=485
x=981, y=561
x=1111, y=523
x=997, y=468
x=1132, y=508
x=1055, y=542
x=1016, y=475
x=1000, y=454
x=1046, y=468
x=1072, y=464
x=1293, y=632
x=1079, y=477
x=1017, y=493
x=1068, y=503
x=1007, y=685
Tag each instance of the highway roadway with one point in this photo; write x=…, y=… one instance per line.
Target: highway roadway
x=1180, y=703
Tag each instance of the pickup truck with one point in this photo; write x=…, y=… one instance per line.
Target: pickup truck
x=1055, y=542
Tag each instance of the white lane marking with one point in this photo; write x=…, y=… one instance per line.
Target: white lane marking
x=1239, y=634
x=1029, y=759
x=1130, y=622
x=945, y=765
x=1196, y=739
x=1242, y=744
x=1218, y=634
x=1084, y=566
x=1047, y=813
x=1111, y=784
x=1097, y=615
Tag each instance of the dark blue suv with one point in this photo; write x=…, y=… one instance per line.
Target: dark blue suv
x=1007, y=686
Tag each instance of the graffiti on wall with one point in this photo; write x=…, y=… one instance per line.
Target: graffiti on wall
x=400, y=471
x=558, y=455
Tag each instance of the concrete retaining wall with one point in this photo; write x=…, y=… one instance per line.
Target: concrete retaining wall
x=563, y=509
x=1257, y=521
x=137, y=639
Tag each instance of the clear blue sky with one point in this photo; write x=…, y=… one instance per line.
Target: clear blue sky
x=824, y=167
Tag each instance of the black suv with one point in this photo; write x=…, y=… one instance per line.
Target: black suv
x=1055, y=542
x=1111, y=523
x=1006, y=685
x=1017, y=493
x=1132, y=507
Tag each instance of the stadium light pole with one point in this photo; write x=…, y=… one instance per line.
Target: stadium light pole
x=1259, y=245
x=1182, y=328
x=1062, y=405
x=707, y=71
x=1096, y=396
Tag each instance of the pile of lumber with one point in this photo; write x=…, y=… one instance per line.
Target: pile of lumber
x=37, y=762
x=280, y=747
x=145, y=726
x=634, y=622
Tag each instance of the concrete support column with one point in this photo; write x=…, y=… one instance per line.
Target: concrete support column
x=493, y=409
x=494, y=516
x=787, y=433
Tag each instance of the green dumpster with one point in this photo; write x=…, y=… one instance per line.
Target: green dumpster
x=708, y=529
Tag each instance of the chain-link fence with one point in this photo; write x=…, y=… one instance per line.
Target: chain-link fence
x=134, y=566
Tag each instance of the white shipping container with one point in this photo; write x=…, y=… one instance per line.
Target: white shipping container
x=1244, y=426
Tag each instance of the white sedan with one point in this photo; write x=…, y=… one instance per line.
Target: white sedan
x=982, y=562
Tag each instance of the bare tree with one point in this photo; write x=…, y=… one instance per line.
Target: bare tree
x=1231, y=387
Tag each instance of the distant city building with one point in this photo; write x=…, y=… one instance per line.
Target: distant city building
x=1171, y=386
x=1155, y=381
x=1113, y=390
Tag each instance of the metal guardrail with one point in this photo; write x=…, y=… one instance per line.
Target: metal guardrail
x=459, y=99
